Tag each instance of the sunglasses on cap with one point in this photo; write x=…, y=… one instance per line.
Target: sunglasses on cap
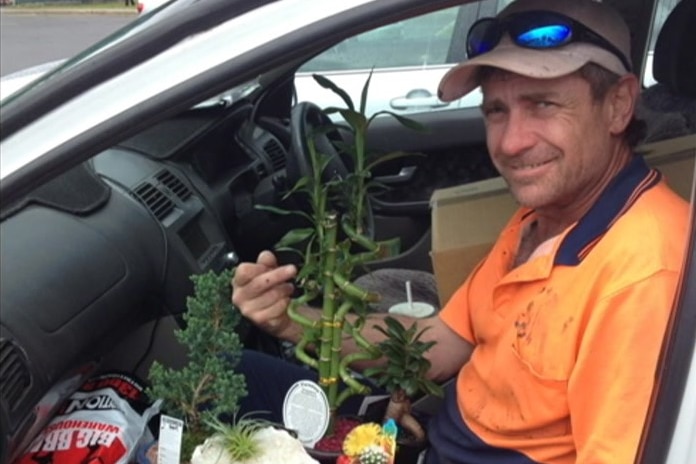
x=534, y=29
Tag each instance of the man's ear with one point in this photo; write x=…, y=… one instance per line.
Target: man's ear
x=621, y=102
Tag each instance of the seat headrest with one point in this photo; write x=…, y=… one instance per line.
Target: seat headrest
x=674, y=62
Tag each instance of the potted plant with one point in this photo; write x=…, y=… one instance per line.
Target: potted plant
x=334, y=245
x=249, y=441
x=208, y=389
x=207, y=386
x=404, y=376
x=401, y=437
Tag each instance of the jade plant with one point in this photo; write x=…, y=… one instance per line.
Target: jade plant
x=405, y=373
x=207, y=387
x=334, y=246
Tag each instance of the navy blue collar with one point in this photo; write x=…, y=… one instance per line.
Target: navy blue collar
x=615, y=200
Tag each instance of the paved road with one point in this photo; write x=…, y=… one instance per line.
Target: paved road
x=30, y=39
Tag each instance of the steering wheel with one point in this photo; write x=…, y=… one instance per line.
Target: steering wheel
x=308, y=120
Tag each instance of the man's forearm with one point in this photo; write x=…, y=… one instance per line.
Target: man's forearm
x=294, y=331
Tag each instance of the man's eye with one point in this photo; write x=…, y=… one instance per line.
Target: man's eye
x=491, y=110
x=544, y=104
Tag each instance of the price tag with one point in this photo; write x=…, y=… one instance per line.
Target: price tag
x=169, y=446
x=306, y=411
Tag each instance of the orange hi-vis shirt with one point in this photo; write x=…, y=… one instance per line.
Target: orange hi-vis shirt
x=566, y=344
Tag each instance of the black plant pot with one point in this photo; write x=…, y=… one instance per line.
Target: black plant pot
x=407, y=452
x=323, y=457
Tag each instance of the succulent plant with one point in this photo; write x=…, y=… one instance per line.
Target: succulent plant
x=374, y=455
x=238, y=438
x=405, y=372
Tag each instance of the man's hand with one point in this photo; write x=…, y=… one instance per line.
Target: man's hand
x=262, y=293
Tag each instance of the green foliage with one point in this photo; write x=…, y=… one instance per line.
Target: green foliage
x=328, y=248
x=334, y=245
x=406, y=365
x=207, y=386
x=238, y=438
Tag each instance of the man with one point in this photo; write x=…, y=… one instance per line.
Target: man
x=555, y=336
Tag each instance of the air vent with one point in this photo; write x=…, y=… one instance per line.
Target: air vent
x=14, y=373
x=174, y=184
x=276, y=152
x=155, y=200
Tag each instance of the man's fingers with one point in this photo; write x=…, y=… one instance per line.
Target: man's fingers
x=268, y=259
x=246, y=272
x=251, y=304
x=273, y=316
x=262, y=291
x=259, y=275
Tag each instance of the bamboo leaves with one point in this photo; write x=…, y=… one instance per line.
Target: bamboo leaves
x=334, y=245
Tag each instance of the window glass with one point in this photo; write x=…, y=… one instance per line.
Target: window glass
x=419, y=41
x=407, y=59
x=662, y=10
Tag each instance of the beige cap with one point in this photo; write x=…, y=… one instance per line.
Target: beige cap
x=547, y=63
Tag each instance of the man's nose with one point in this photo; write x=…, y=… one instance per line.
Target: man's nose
x=516, y=135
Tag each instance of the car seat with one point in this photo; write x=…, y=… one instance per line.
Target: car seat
x=669, y=107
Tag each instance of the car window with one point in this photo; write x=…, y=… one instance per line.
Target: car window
x=406, y=58
x=662, y=10
x=420, y=41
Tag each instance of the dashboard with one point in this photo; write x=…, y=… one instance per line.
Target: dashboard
x=111, y=245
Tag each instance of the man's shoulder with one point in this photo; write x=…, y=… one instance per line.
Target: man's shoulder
x=661, y=205
x=653, y=230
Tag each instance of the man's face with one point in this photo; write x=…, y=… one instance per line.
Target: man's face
x=549, y=139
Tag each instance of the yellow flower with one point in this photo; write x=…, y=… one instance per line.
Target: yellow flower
x=361, y=437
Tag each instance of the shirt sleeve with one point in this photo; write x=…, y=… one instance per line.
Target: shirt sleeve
x=456, y=312
x=610, y=388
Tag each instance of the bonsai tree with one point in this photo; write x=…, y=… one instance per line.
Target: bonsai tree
x=207, y=387
x=404, y=374
x=334, y=245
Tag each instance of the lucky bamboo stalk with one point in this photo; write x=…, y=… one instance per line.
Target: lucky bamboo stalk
x=335, y=245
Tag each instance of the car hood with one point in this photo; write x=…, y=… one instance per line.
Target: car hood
x=11, y=83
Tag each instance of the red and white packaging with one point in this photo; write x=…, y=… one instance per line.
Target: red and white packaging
x=103, y=422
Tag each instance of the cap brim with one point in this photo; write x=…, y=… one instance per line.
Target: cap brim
x=539, y=64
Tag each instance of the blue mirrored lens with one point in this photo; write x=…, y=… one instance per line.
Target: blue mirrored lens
x=481, y=46
x=545, y=36
x=483, y=36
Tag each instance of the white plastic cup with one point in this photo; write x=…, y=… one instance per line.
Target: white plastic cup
x=416, y=309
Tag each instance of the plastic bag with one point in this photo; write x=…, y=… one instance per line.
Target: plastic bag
x=103, y=422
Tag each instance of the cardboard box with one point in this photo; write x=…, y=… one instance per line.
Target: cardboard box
x=675, y=159
x=466, y=221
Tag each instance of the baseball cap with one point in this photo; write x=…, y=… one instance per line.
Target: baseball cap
x=603, y=22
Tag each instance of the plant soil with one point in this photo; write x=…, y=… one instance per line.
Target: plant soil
x=334, y=442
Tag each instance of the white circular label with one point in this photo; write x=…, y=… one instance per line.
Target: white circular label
x=306, y=411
